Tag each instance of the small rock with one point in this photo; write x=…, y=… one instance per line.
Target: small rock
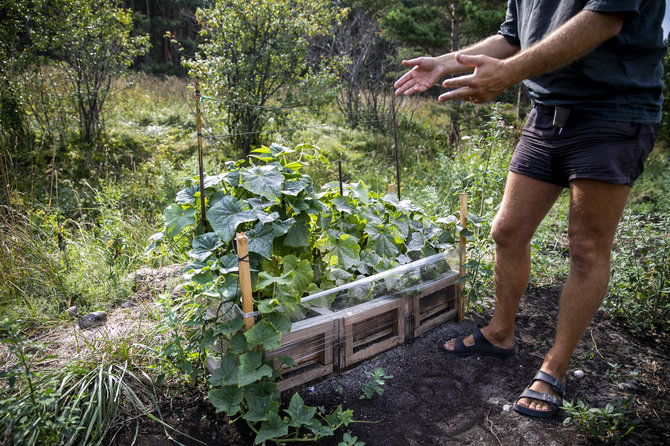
x=578, y=374
x=311, y=389
x=92, y=319
x=507, y=408
x=72, y=311
x=128, y=304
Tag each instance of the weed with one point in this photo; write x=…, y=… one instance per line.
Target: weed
x=349, y=440
x=640, y=285
x=72, y=405
x=608, y=425
x=375, y=384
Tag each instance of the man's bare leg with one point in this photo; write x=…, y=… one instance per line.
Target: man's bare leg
x=525, y=203
x=595, y=210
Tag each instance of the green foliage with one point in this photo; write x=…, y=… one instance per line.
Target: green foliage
x=375, y=383
x=478, y=168
x=424, y=26
x=350, y=440
x=640, y=283
x=91, y=55
x=300, y=242
x=609, y=425
x=51, y=262
x=255, y=52
x=76, y=404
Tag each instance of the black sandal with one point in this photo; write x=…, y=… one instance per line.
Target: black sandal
x=482, y=346
x=553, y=401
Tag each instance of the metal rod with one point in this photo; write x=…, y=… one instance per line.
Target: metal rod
x=201, y=169
x=339, y=168
x=395, y=145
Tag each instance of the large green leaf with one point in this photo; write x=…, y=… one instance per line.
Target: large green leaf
x=272, y=428
x=416, y=242
x=226, y=399
x=261, y=239
x=177, y=217
x=299, y=413
x=226, y=215
x=238, y=343
x=227, y=372
x=265, y=181
x=203, y=245
x=298, y=235
x=212, y=180
x=252, y=369
x=344, y=205
x=264, y=334
x=294, y=187
x=282, y=227
x=345, y=252
x=187, y=196
x=360, y=191
x=280, y=322
x=303, y=274
x=266, y=279
x=383, y=240
x=260, y=404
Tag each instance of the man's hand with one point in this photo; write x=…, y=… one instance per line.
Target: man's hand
x=425, y=72
x=485, y=84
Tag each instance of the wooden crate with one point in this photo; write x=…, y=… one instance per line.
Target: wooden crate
x=372, y=327
x=311, y=344
x=435, y=304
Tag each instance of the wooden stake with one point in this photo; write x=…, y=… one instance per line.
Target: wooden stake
x=200, y=162
x=245, y=278
x=462, y=246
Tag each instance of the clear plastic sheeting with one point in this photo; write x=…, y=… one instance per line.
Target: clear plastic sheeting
x=404, y=280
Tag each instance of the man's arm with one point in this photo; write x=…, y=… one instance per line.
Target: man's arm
x=427, y=71
x=573, y=40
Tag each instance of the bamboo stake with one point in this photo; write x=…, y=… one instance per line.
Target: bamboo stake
x=245, y=278
x=200, y=162
x=462, y=246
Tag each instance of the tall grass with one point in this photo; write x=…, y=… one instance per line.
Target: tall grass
x=78, y=403
x=50, y=262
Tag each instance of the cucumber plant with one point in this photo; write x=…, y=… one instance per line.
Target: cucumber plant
x=300, y=242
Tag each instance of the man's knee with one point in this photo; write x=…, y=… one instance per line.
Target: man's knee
x=587, y=251
x=506, y=235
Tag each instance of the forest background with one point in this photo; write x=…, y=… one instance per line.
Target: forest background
x=98, y=133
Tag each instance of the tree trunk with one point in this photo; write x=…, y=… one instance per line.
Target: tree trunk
x=454, y=28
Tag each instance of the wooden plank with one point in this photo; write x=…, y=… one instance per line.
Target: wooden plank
x=311, y=345
x=449, y=278
x=434, y=309
x=373, y=327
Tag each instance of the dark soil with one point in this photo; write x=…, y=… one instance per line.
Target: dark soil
x=435, y=399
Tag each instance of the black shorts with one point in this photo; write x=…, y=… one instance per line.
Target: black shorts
x=609, y=151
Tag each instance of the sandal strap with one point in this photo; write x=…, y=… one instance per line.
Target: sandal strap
x=545, y=397
x=558, y=386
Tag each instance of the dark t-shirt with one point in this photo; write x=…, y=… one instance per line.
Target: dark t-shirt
x=621, y=80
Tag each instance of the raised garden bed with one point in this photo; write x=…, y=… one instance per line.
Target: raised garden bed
x=424, y=295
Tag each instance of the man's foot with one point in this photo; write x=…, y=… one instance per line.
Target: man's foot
x=543, y=397
x=478, y=344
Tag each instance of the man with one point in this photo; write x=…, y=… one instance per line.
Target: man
x=593, y=71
